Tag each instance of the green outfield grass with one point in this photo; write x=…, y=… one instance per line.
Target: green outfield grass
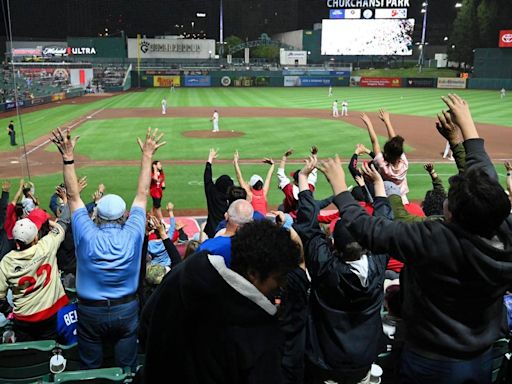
x=185, y=184
x=264, y=137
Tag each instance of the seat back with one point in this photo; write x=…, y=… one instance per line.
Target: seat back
x=101, y=375
x=25, y=362
x=499, y=360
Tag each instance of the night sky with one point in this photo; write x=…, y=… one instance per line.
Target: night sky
x=58, y=19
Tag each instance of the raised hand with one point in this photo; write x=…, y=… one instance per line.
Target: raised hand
x=64, y=143
x=447, y=128
x=236, y=157
x=366, y=119
x=369, y=170
x=82, y=183
x=383, y=115
x=360, y=149
x=6, y=185
x=268, y=161
x=359, y=180
x=288, y=152
x=309, y=166
x=212, y=155
x=61, y=192
x=461, y=115
x=332, y=169
x=429, y=167
x=170, y=206
x=314, y=150
x=101, y=188
x=280, y=217
x=152, y=142
x=508, y=166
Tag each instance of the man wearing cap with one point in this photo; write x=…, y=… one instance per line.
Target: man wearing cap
x=32, y=274
x=256, y=189
x=108, y=252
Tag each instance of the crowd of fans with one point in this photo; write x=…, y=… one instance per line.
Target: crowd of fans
x=274, y=296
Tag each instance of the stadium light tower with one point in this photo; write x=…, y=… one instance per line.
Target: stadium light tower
x=424, y=10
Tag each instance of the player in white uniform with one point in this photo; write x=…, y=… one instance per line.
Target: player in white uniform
x=330, y=91
x=215, y=120
x=344, y=108
x=503, y=93
x=335, y=108
x=447, y=152
x=164, y=106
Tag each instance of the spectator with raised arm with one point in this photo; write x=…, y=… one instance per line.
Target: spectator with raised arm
x=13, y=212
x=457, y=272
x=256, y=188
x=451, y=132
x=344, y=329
x=216, y=195
x=392, y=162
x=108, y=252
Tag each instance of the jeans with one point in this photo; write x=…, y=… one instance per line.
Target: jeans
x=110, y=324
x=417, y=369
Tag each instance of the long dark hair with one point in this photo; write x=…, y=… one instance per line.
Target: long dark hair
x=393, y=149
x=155, y=162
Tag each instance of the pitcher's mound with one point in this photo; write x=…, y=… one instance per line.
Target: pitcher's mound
x=212, y=135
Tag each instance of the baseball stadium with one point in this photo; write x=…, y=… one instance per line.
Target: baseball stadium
x=384, y=131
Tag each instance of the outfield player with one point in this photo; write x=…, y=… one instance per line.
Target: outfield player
x=330, y=90
x=335, y=108
x=503, y=93
x=447, y=152
x=344, y=108
x=164, y=106
x=215, y=120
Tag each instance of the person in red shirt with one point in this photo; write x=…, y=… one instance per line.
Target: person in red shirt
x=156, y=188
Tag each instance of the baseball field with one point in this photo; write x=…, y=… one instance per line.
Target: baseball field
x=258, y=122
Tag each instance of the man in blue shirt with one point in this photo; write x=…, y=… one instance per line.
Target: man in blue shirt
x=239, y=213
x=108, y=252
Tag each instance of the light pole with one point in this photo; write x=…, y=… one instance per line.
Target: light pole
x=424, y=10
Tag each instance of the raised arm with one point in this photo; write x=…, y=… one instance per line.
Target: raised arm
x=281, y=176
x=270, y=172
x=239, y=176
x=6, y=186
x=18, y=192
x=148, y=148
x=508, y=167
x=66, y=147
x=207, y=177
x=371, y=132
x=451, y=132
x=384, y=116
x=437, y=183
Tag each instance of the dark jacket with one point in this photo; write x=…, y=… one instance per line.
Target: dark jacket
x=203, y=330
x=5, y=244
x=344, y=331
x=455, y=281
x=216, y=199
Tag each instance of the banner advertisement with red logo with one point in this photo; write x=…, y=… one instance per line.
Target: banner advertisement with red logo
x=506, y=39
x=166, y=81
x=384, y=82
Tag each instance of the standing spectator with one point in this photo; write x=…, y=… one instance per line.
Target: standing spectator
x=215, y=121
x=216, y=195
x=13, y=212
x=108, y=253
x=456, y=272
x=31, y=273
x=11, y=132
x=157, y=188
x=392, y=163
x=256, y=189
x=212, y=324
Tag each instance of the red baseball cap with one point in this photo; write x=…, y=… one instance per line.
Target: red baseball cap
x=38, y=216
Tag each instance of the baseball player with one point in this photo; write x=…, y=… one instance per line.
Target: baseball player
x=344, y=108
x=447, y=152
x=215, y=120
x=503, y=93
x=335, y=108
x=330, y=90
x=164, y=106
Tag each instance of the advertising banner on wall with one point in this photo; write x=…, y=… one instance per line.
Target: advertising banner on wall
x=384, y=82
x=451, y=83
x=58, y=96
x=304, y=81
x=506, y=39
x=415, y=82
x=166, y=81
x=171, y=49
x=197, y=81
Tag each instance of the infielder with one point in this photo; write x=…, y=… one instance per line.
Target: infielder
x=344, y=108
x=164, y=106
x=215, y=120
x=335, y=108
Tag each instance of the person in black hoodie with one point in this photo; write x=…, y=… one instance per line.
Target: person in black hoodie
x=216, y=195
x=457, y=271
x=211, y=324
x=344, y=328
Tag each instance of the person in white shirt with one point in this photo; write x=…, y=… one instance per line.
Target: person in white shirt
x=164, y=106
x=215, y=120
x=335, y=109
x=503, y=93
x=344, y=108
x=330, y=91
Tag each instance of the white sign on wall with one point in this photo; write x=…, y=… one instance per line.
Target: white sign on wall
x=293, y=57
x=171, y=49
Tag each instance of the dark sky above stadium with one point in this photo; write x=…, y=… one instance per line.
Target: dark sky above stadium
x=244, y=18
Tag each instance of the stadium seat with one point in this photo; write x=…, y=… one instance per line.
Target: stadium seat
x=101, y=375
x=501, y=355
x=25, y=362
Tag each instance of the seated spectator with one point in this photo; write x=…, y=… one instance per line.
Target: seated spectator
x=31, y=273
x=240, y=212
x=256, y=188
x=344, y=325
x=392, y=163
x=457, y=273
x=216, y=195
x=214, y=324
x=108, y=252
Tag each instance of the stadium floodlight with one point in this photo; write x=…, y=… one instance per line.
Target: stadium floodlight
x=458, y=5
x=423, y=10
x=424, y=4
x=200, y=14
x=445, y=38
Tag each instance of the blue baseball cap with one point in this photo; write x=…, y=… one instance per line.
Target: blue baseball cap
x=111, y=207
